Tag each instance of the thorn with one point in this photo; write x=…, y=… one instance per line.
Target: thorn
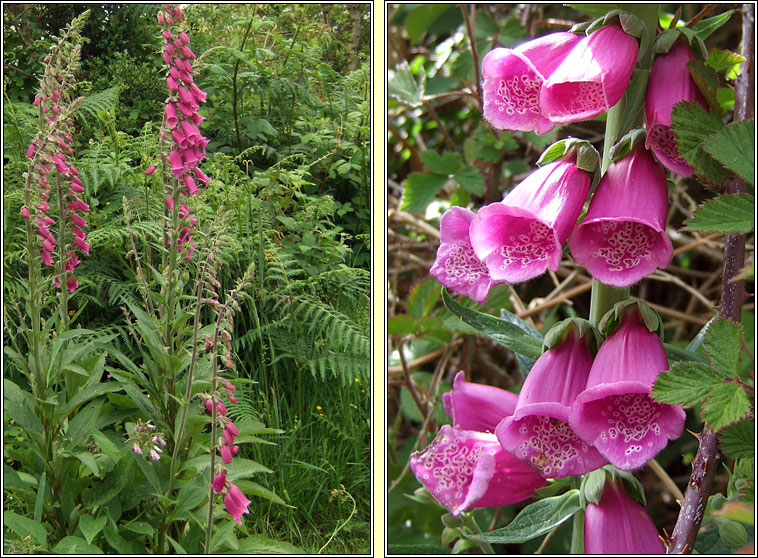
x=679, y=502
x=691, y=432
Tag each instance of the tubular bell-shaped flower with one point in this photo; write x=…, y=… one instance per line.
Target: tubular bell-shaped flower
x=623, y=236
x=619, y=525
x=670, y=83
x=591, y=78
x=522, y=236
x=466, y=469
x=513, y=79
x=456, y=266
x=539, y=432
x=615, y=413
x=236, y=503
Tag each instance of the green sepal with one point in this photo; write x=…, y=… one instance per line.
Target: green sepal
x=591, y=489
x=627, y=144
x=613, y=317
x=581, y=326
x=631, y=484
x=587, y=157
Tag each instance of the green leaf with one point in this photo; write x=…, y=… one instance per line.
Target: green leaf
x=705, y=27
x=505, y=333
x=90, y=526
x=39, y=502
x=423, y=297
x=141, y=527
x=721, y=60
x=446, y=164
x=471, y=179
x=728, y=403
x=686, y=383
x=738, y=439
x=24, y=526
x=402, y=323
x=257, y=544
x=89, y=461
x=403, y=86
x=75, y=545
x=412, y=549
x=250, y=489
x=80, y=426
x=534, y=520
x=20, y=407
x=723, y=343
x=725, y=214
x=421, y=18
x=734, y=147
x=692, y=124
x=420, y=189
x=706, y=81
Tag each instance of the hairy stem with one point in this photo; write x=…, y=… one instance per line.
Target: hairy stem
x=707, y=459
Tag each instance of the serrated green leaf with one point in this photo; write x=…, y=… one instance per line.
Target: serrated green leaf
x=25, y=526
x=447, y=163
x=423, y=297
x=402, y=323
x=724, y=214
x=728, y=403
x=738, y=439
x=734, y=147
x=471, y=179
x=721, y=60
x=403, y=86
x=723, y=343
x=687, y=383
x=420, y=189
x=705, y=27
x=534, y=520
x=692, y=124
x=706, y=81
x=505, y=333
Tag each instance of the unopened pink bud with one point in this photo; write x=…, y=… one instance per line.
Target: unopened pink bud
x=150, y=170
x=25, y=212
x=136, y=449
x=184, y=38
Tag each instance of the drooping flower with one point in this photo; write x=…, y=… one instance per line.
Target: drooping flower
x=522, y=236
x=219, y=481
x=466, y=469
x=456, y=266
x=623, y=236
x=615, y=413
x=591, y=78
x=539, y=432
x=236, y=503
x=670, y=83
x=513, y=79
x=619, y=525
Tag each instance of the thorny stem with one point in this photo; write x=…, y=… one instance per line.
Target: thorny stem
x=707, y=459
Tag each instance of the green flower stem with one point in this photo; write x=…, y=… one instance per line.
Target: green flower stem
x=577, y=533
x=470, y=522
x=603, y=298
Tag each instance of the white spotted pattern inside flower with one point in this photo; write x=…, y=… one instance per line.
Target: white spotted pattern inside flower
x=527, y=247
x=519, y=95
x=589, y=96
x=447, y=467
x=460, y=267
x=550, y=445
x=663, y=139
x=630, y=417
x=624, y=244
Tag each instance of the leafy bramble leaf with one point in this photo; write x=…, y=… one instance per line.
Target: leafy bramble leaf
x=723, y=345
x=687, y=383
x=505, y=333
x=721, y=60
x=706, y=81
x=403, y=85
x=420, y=189
x=692, y=124
x=734, y=147
x=402, y=323
x=724, y=214
x=534, y=520
x=448, y=163
x=738, y=440
x=422, y=297
x=728, y=403
x=471, y=179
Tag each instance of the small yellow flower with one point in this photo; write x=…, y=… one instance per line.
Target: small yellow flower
x=318, y=407
x=71, y=312
x=357, y=381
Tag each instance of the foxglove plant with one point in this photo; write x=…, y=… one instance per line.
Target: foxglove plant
x=623, y=236
x=615, y=412
x=539, y=432
x=522, y=236
x=513, y=80
x=619, y=525
x=465, y=468
x=591, y=78
x=670, y=83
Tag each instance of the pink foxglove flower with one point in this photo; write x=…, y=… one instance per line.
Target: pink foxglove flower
x=219, y=481
x=236, y=503
x=623, y=236
x=522, y=236
x=456, y=266
x=465, y=469
x=591, y=78
x=670, y=83
x=619, y=525
x=513, y=79
x=615, y=413
x=539, y=431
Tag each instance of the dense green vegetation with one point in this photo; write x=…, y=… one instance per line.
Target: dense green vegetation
x=287, y=116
